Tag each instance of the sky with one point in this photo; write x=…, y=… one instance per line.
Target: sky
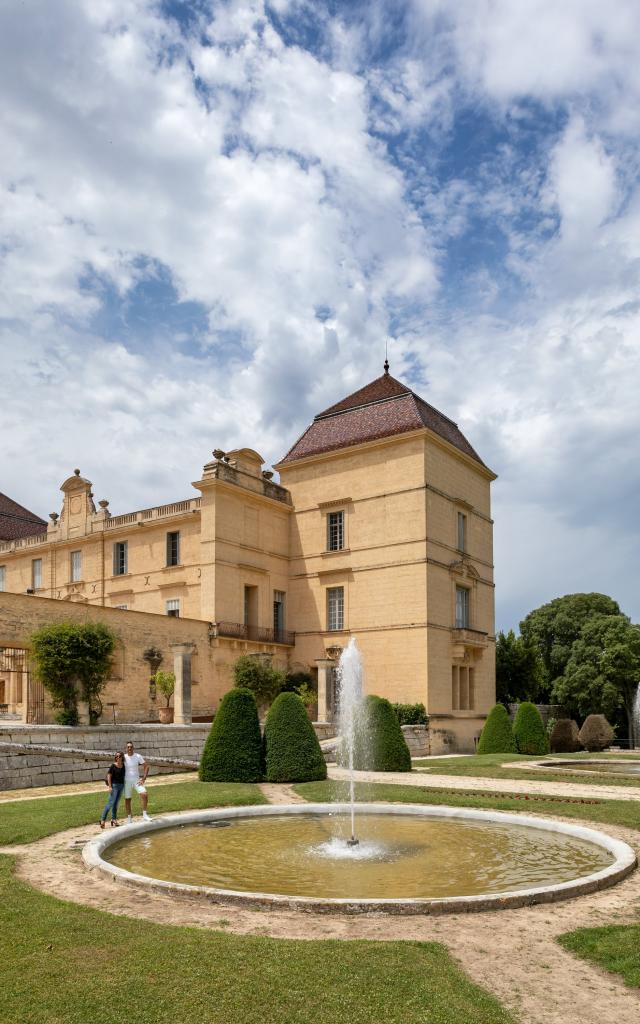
x=214, y=215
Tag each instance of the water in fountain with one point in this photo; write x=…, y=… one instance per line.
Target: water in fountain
x=349, y=709
x=635, y=739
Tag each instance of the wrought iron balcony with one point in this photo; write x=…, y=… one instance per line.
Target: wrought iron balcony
x=259, y=634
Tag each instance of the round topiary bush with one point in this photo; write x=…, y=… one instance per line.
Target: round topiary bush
x=379, y=743
x=291, y=748
x=529, y=731
x=596, y=733
x=497, y=735
x=233, y=751
x=564, y=737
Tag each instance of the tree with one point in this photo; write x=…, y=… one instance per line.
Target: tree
x=73, y=662
x=529, y=731
x=165, y=684
x=553, y=627
x=233, y=750
x=379, y=744
x=497, y=734
x=291, y=747
x=259, y=676
x=519, y=670
x=603, y=670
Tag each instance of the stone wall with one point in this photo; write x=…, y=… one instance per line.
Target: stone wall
x=20, y=770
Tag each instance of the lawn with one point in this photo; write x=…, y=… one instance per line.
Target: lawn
x=492, y=766
x=615, y=947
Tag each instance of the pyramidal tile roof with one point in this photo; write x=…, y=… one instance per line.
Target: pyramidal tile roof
x=16, y=521
x=383, y=408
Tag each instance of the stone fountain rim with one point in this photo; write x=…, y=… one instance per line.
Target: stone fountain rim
x=624, y=863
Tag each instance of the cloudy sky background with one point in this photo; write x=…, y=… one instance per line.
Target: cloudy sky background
x=212, y=214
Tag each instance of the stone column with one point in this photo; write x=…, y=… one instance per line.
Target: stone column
x=182, y=693
x=324, y=666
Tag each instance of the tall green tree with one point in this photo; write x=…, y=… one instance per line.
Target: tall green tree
x=555, y=626
x=519, y=670
x=603, y=670
x=259, y=676
x=73, y=662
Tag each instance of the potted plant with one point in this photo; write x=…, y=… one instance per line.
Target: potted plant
x=165, y=685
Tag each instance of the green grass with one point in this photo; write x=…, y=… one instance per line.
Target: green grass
x=616, y=948
x=609, y=812
x=491, y=766
x=65, y=963
x=27, y=820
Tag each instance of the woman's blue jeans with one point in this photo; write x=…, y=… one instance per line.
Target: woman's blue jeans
x=113, y=801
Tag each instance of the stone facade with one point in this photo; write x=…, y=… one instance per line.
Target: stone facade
x=247, y=566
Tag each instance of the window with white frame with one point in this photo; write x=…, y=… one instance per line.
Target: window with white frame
x=173, y=607
x=3, y=577
x=462, y=608
x=120, y=558
x=76, y=566
x=335, y=531
x=335, y=608
x=462, y=531
x=122, y=607
x=173, y=548
x=36, y=573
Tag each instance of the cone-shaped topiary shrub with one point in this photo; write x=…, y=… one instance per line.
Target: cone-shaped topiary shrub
x=291, y=748
x=379, y=743
x=596, y=733
x=529, y=731
x=564, y=737
x=497, y=734
x=233, y=751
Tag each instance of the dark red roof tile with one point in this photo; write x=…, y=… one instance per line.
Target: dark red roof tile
x=16, y=521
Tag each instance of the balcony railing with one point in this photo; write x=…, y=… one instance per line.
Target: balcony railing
x=260, y=634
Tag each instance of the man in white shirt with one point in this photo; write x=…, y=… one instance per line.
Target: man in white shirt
x=132, y=781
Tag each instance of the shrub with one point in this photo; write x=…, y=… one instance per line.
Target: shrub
x=233, y=751
x=291, y=748
x=529, y=731
x=73, y=662
x=564, y=737
x=379, y=744
x=165, y=684
x=411, y=714
x=497, y=734
x=596, y=733
x=257, y=675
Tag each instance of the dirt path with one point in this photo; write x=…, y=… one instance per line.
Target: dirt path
x=512, y=953
x=279, y=793
x=76, y=789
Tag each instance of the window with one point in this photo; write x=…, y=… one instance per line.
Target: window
x=173, y=548
x=335, y=531
x=462, y=532
x=3, y=577
x=173, y=607
x=36, y=573
x=278, y=612
x=122, y=607
x=120, y=558
x=335, y=608
x=462, y=608
x=76, y=566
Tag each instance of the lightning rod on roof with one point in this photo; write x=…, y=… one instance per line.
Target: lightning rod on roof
x=386, y=355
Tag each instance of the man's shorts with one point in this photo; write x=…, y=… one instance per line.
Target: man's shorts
x=133, y=784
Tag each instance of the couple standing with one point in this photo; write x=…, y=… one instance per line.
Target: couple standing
x=124, y=774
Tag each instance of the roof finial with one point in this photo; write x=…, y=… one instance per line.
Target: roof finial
x=386, y=353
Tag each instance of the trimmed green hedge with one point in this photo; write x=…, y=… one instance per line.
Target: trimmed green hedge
x=411, y=714
x=497, y=735
x=233, y=751
x=379, y=743
x=291, y=748
x=529, y=731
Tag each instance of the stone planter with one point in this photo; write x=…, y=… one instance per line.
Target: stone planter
x=165, y=715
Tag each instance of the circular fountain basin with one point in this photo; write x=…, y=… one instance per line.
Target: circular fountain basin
x=629, y=767
x=410, y=859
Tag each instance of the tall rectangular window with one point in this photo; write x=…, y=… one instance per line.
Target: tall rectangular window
x=278, y=613
x=335, y=531
x=462, y=608
x=76, y=566
x=36, y=573
x=120, y=558
x=462, y=532
x=173, y=607
x=173, y=548
x=335, y=608
x=3, y=578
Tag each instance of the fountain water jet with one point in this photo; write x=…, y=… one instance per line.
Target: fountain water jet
x=349, y=710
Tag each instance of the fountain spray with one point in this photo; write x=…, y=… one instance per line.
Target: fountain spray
x=349, y=706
